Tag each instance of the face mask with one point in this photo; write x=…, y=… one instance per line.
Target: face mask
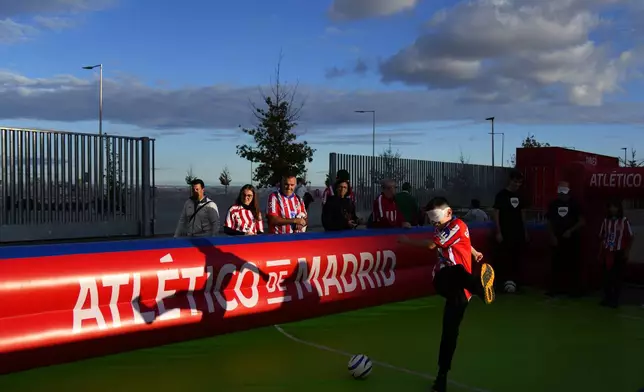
x=437, y=215
x=562, y=190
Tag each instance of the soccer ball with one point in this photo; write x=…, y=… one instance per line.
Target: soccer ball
x=510, y=287
x=360, y=366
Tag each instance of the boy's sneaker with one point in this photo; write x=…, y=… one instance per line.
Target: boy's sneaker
x=440, y=384
x=487, y=281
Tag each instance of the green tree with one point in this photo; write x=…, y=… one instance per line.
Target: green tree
x=114, y=192
x=462, y=181
x=633, y=161
x=389, y=166
x=190, y=176
x=225, y=178
x=529, y=142
x=276, y=150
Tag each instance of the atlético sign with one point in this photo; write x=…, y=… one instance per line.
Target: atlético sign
x=616, y=180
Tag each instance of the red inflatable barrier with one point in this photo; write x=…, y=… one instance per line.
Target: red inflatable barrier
x=60, y=306
x=67, y=302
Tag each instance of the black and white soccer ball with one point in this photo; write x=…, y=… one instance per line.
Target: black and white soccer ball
x=360, y=366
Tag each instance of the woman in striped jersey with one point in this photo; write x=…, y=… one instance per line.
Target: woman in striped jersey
x=244, y=217
x=616, y=238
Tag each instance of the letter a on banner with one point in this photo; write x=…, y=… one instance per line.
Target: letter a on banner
x=87, y=288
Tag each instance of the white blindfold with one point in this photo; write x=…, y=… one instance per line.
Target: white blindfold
x=563, y=190
x=436, y=215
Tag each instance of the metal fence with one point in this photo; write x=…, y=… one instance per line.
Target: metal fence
x=460, y=183
x=62, y=185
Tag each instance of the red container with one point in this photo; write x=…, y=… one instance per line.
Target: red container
x=558, y=157
x=544, y=167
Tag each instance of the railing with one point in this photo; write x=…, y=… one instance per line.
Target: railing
x=460, y=183
x=59, y=185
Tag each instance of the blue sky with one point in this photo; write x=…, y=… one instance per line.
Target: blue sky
x=569, y=74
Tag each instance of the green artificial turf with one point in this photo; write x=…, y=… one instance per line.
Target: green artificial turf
x=519, y=344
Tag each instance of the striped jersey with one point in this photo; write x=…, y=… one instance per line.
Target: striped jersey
x=615, y=234
x=242, y=219
x=328, y=191
x=385, y=213
x=454, y=247
x=286, y=207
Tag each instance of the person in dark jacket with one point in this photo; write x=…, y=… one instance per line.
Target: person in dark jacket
x=408, y=205
x=339, y=212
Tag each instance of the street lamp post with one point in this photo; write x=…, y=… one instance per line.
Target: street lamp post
x=100, y=130
x=100, y=96
x=502, y=149
x=491, y=119
x=502, y=146
x=625, y=157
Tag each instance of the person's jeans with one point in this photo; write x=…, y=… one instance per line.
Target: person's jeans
x=613, y=276
x=565, y=276
x=507, y=265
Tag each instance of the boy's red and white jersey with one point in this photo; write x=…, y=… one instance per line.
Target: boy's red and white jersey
x=287, y=207
x=454, y=245
x=242, y=219
x=615, y=234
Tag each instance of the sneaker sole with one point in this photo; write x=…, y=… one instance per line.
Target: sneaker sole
x=487, y=281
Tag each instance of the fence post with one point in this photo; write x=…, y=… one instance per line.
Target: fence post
x=145, y=187
x=333, y=165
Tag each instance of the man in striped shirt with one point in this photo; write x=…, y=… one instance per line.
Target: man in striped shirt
x=286, y=212
x=385, y=212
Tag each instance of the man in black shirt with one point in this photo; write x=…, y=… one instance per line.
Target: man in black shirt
x=511, y=233
x=565, y=220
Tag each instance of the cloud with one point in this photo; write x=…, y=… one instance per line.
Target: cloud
x=54, y=22
x=335, y=72
x=66, y=98
x=332, y=30
x=24, y=19
x=12, y=32
x=360, y=68
x=11, y=8
x=500, y=51
x=397, y=137
x=362, y=9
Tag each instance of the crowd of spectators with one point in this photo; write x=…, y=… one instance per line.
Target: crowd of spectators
x=289, y=202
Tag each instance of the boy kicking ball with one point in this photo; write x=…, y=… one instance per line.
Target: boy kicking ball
x=453, y=278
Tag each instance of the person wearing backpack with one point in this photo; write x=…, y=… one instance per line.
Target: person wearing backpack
x=200, y=215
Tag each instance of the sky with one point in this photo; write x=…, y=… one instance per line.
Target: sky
x=569, y=72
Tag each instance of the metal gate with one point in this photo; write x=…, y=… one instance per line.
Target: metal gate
x=63, y=185
x=458, y=182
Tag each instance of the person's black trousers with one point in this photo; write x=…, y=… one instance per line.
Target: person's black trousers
x=507, y=266
x=613, y=277
x=565, y=275
x=449, y=283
